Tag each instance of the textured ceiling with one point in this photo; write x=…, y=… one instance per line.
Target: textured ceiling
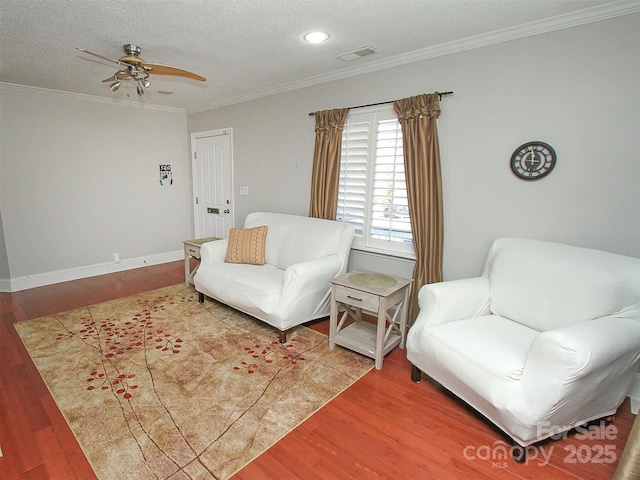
x=250, y=48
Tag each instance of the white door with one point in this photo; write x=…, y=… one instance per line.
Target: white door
x=213, y=182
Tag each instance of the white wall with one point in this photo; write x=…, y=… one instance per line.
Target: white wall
x=80, y=182
x=577, y=89
x=79, y=178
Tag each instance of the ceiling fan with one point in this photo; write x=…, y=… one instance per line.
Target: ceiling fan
x=135, y=68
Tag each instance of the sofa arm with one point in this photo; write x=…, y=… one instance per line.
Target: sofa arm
x=306, y=284
x=213, y=252
x=312, y=273
x=453, y=300
x=585, y=347
x=577, y=361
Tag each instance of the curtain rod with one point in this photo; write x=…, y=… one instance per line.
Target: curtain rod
x=440, y=94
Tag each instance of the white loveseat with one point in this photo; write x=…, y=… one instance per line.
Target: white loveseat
x=548, y=338
x=292, y=287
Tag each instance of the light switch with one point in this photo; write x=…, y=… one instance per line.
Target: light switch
x=244, y=191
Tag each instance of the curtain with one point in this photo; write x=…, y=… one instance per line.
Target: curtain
x=417, y=116
x=325, y=175
x=629, y=465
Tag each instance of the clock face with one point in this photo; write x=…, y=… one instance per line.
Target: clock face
x=533, y=160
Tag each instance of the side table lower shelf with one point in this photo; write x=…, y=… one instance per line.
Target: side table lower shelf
x=361, y=337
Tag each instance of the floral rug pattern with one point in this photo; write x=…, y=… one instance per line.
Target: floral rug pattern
x=159, y=386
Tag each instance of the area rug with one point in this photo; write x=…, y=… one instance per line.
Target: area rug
x=159, y=386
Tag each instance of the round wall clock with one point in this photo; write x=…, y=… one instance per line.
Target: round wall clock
x=533, y=160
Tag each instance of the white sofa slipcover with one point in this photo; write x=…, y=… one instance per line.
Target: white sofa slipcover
x=301, y=255
x=546, y=339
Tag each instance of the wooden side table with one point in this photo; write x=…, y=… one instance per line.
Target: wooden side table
x=385, y=296
x=192, y=249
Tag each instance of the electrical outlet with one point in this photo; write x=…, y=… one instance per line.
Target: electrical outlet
x=244, y=191
x=116, y=257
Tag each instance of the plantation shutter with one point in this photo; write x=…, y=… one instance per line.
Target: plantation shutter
x=352, y=194
x=372, y=192
x=390, y=211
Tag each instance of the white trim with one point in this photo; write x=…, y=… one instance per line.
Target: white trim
x=49, y=278
x=5, y=285
x=634, y=393
x=379, y=252
x=588, y=15
x=90, y=98
x=386, y=254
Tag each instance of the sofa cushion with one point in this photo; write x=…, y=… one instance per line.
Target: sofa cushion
x=259, y=287
x=246, y=245
x=495, y=346
x=293, y=239
x=546, y=286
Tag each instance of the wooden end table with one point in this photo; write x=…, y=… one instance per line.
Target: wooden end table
x=385, y=296
x=192, y=249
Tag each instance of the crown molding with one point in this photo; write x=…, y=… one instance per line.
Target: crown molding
x=88, y=98
x=574, y=19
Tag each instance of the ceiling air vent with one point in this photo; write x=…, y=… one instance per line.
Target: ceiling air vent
x=356, y=54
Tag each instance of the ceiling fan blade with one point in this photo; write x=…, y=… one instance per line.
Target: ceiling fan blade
x=156, y=69
x=99, y=56
x=130, y=59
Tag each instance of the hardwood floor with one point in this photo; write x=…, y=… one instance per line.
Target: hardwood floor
x=383, y=427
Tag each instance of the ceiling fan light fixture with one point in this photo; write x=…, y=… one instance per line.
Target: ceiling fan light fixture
x=316, y=37
x=134, y=68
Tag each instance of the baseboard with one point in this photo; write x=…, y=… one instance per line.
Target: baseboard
x=49, y=278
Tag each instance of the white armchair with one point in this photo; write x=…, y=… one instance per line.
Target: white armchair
x=548, y=338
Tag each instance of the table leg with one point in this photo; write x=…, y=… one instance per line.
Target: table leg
x=333, y=321
x=403, y=317
x=187, y=269
x=380, y=333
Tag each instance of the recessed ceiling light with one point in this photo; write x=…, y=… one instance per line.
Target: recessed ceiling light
x=316, y=37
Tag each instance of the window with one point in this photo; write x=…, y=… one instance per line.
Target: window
x=372, y=193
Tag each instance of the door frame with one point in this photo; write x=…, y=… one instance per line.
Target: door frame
x=228, y=131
